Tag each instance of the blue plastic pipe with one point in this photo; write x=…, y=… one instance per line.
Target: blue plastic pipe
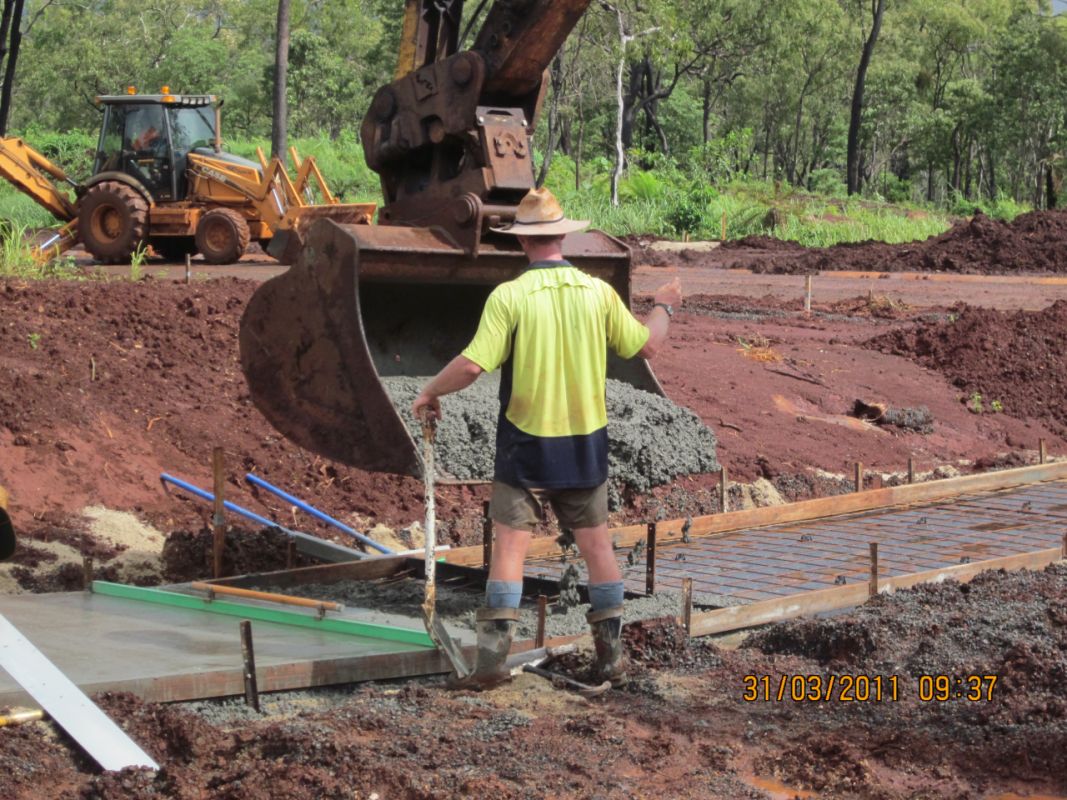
x=319, y=515
x=236, y=509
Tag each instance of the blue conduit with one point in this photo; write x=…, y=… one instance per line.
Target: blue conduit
x=310, y=509
x=236, y=509
x=244, y=512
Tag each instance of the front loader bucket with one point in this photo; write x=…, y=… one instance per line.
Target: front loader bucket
x=287, y=242
x=363, y=302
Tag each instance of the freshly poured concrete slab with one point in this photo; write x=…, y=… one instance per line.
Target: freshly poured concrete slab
x=105, y=741
x=164, y=654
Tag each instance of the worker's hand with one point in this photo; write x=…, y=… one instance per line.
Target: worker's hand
x=669, y=293
x=424, y=404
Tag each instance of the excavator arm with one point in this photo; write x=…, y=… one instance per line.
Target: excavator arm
x=35, y=176
x=450, y=137
x=450, y=140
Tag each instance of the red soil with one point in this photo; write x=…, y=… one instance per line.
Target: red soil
x=1030, y=243
x=1017, y=360
x=110, y=384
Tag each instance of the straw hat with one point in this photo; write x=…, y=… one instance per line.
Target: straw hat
x=7, y=531
x=540, y=214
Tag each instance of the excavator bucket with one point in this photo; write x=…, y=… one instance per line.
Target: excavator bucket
x=366, y=302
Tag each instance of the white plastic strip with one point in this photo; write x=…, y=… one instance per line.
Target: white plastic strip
x=66, y=704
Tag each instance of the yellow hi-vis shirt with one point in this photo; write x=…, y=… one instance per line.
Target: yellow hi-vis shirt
x=550, y=329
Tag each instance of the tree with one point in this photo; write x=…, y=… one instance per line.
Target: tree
x=11, y=20
x=852, y=168
x=280, y=121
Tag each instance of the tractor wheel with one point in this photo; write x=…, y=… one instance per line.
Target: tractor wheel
x=222, y=236
x=174, y=248
x=112, y=221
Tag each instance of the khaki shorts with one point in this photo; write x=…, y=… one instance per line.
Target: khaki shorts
x=523, y=509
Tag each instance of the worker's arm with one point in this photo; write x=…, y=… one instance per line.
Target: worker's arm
x=658, y=321
x=460, y=373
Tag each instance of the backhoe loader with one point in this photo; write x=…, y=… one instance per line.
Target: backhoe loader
x=450, y=139
x=160, y=177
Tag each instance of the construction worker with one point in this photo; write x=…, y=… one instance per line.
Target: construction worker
x=7, y=530
x=548, y=331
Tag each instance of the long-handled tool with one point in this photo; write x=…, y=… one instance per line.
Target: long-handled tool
x=536, y=666
x=434, y=626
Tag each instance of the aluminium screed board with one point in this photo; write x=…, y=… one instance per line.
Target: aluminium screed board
x=65, y=703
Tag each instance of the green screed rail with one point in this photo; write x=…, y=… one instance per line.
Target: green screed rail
x=350, y=627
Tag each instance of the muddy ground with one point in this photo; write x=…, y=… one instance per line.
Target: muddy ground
x=681, y=729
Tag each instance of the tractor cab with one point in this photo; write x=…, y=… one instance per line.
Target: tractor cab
x=148, y=137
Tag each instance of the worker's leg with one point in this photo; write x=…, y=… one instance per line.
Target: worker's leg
x=586, y=513
x=514, y=512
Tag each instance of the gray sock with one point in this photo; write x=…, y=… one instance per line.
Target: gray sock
x=503, y=594
x=605, y=595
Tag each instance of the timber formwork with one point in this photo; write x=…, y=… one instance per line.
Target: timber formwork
x=761, y=564
x=749, y=565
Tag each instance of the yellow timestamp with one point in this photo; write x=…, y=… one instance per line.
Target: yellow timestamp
x=865, y=688
x=821, y=688
x=941, y=688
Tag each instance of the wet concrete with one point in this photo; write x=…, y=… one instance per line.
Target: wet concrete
x=652, y=440
x=456, y=607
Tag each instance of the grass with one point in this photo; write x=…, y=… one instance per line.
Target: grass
x=17, y=261
x=664, y=200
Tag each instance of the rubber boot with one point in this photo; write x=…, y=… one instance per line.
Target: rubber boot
x=495, y=628
x=606, y=625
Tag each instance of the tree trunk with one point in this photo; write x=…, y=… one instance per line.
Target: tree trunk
x=856, y=116
x=707, y=111
x=5, y=26
x=279, y=132
x=12, y=62
x=556, y=80
x=620, y=151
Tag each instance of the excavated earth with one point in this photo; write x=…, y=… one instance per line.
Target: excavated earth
x=110, y=383
x=1031, y=243
x=1017, y=361
x=681, y=729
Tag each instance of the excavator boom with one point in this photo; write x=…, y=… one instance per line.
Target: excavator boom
x=450, y=138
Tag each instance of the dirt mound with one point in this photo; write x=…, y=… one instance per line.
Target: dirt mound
x=656, y=642
x=108, y=384
x=1012, y=362
x=188, y=556
x=1033, y=242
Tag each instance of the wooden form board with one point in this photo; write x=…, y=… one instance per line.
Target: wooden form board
x=732, y=618
x=855, y=502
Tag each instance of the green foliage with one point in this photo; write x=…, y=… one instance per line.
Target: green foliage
x=16, y=258
x=34, y=340
x=688, y=214
x=137, y=261
x=734, y=106
x=641, y=186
